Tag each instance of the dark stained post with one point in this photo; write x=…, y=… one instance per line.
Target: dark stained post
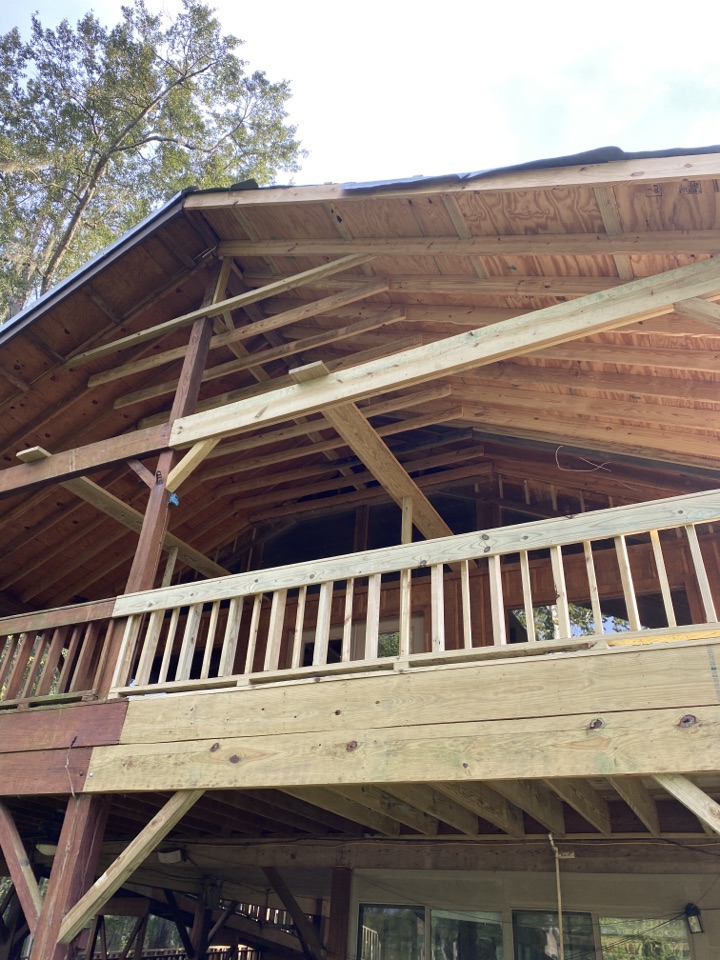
x=72, y=873
x=339, y=920
x=152, y=535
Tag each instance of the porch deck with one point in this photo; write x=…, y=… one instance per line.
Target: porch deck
x=631, y=574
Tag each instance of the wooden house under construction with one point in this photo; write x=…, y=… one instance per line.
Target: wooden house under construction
x=359, y=574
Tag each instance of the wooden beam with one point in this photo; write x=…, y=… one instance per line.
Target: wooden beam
x=362, y=439
x=236, y=334
x=111, y=505
x=339, y=919
x=696, y=800
x=73, y=870
x=638, y=798
x=217, y=307
x=189, y=463
x=21, y=871
x=436, y=805
x=39, y=470
x=585, y=799
x=391, y=806
x=702, y=310
x=124, y=866
x=651, y=296
x=307, y=935
x=252, y=360
x=623, y=171
x=536, y=800
x=345, y=807
x=512, y=245
x=486, y=803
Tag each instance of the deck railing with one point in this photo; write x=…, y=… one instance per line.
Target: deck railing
x=630, y=568
x=53, y=654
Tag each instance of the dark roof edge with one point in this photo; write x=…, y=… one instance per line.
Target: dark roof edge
x=100, y=261
x=586, y=157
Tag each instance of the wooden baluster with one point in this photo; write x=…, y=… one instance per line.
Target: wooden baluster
x=663, y=578
x=527, y=596
x=298, y=632
x=254, y=627
x=169, y=641
x=347, y=620
x=7, y=657
x=466, y=607
x=187, y=649
x=561, y=597
x=437, y=608
x=210, y=640
x=701, y=575
x=322, y=627
x=230, y=639
x=52, y=659
x=68, y=664
x=627, y=583
x=149, y=647
x=405, y=581
x=593, y=587
x=372, y=622
x=88, y=657
x=31, y=644
x=496, y=601
x=121, y=675
x=275, y=630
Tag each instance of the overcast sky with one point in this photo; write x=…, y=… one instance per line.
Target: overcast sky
x=389, y=88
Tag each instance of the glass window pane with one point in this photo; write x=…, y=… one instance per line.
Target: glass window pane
x=465, y=935
x=654, y=939
x=537, y=936
x=391, y=932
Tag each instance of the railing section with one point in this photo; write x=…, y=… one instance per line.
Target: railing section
x=53, y=654
x=631, y=568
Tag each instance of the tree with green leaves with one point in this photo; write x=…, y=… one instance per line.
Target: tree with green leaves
x=99, y=126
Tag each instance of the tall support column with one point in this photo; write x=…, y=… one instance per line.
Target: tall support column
x=339, y=921
x=73, y=871
x=152, y=535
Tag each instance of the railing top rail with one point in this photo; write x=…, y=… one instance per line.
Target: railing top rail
x=57, y=617
x=627, y=520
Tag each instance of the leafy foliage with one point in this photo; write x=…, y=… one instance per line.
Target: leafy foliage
x=97, y=126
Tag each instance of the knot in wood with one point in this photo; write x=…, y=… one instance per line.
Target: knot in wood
x=689, y=720
x=352, y=745
x=597, y=724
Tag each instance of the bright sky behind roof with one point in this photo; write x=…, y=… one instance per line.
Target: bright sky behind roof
x=388, y=88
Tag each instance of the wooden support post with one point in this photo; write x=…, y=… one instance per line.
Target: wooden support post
x=72, y=872
x=307, y=935
x=337, y=938
x=125, y=864
x=21, y=871
x=155, y=523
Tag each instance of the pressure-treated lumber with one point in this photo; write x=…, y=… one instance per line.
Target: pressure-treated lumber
x=218, y=307
x=392, y=806
x=691, y=796
x=21, y=872
x=34, y=473
x=233, y=336
x=346, y=807
x=585, y=799
x=605, y=310
x=111, y=505
x=535, y=799
x=638, y=798
x=253, y=360
x=696, y=309
x=133, y=855
x=488, y=804
x=535, y=244
x=436, y=805
x=189, y=463
x=355, y=430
